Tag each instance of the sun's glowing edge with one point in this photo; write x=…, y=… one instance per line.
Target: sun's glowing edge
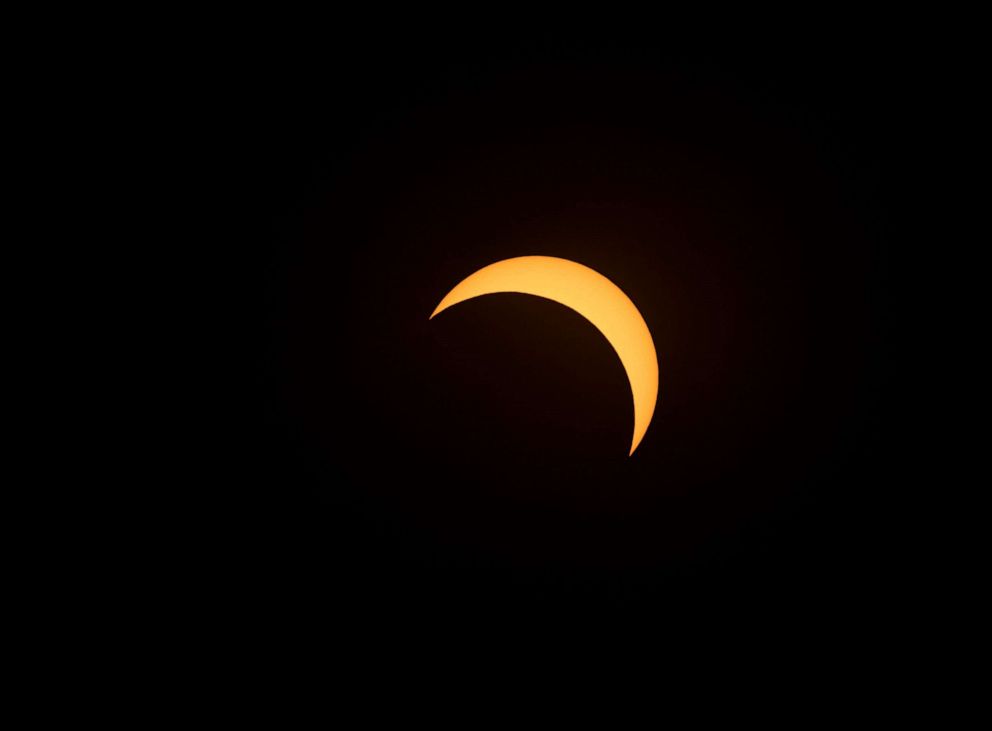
x=591, y=295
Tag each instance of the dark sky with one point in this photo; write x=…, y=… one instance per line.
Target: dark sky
x=376, y=463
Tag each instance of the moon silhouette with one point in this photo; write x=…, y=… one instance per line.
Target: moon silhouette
x=591, y=295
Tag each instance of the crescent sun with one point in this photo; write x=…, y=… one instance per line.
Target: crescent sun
x=591, y=295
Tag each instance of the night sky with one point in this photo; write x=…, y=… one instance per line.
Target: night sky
x=375, y=464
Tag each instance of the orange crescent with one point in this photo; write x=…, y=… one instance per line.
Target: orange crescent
x=591, y=295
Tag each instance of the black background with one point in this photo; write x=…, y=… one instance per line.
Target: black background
x=375, y=466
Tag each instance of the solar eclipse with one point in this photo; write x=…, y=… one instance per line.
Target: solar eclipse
x=591, y=295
